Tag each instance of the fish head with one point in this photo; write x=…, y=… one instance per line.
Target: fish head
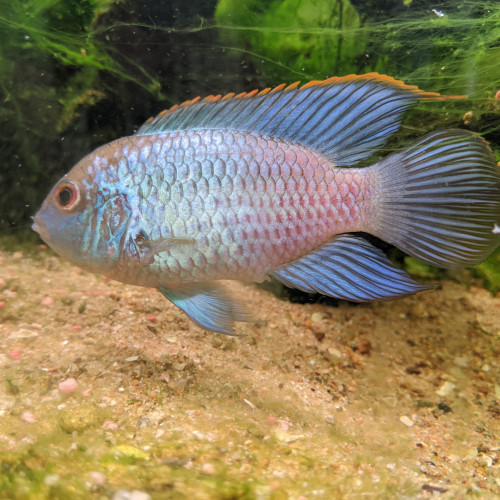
x=85, y=216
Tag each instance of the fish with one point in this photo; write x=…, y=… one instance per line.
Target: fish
x=275, y=183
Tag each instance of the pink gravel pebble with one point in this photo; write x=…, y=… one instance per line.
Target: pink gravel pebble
x=77, y=327
x=110, y=426
x=15, y=354
x=271, y=420
x=47, y=301
x=42, y=247
x=153, y=319
x=68, y=385
x=2, y=303
x=28, y=417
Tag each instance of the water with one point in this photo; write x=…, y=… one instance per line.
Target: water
x=313, y=401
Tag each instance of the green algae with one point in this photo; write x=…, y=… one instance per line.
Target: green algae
x=78, y=419
x=306, y=37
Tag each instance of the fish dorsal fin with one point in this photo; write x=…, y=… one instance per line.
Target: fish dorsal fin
x=344, y=118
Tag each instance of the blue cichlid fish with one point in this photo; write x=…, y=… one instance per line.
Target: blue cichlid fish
x=268, y=184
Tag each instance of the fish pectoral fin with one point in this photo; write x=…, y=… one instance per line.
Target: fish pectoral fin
x=158, y=245
x=164, y=244
x=209, y=305
x=350, y=268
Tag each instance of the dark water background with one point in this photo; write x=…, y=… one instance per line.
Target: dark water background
x=77, y=74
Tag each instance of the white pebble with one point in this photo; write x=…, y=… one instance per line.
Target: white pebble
x=446, y=389
x=131, y=495
x=462, y=362
x=51, y=479
x=406, y=421
x=208, y=468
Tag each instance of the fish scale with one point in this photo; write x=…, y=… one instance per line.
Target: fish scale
x=270, y=183
x=247, y=215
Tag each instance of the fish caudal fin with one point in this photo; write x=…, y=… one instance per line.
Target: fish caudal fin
x=439, y=200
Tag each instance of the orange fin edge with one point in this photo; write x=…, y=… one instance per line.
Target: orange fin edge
x=377, y=77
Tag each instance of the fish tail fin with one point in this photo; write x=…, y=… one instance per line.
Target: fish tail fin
x=439, y=200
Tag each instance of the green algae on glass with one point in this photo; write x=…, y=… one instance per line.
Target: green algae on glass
x=309, y=37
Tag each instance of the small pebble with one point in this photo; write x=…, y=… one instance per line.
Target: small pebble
x=317, y=317
x=406, y=421
x=77, y=327
x=97, y=478
x=2, y=303
x=446, y=389
x=15, y=354
x=17, y=255
x=462, y=362
x=153, y=319
x=51, y=480
x=47, y=301
x=28, y=417
x=208, y=468
x=131, y=495
x=68, y=385
x=23, y=334
x=110, y=425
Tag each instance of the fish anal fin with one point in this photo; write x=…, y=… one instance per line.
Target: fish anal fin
x=349, y=268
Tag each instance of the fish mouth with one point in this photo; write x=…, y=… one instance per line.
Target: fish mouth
x=35, y=227
x=40, y=227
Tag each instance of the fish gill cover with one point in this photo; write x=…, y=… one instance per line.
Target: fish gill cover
x=76, y=75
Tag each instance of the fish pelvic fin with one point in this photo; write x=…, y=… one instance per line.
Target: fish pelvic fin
x=209, y=305
x=439, y=200
x=343, y=118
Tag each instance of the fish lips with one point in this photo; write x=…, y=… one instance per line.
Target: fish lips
x=40, y=227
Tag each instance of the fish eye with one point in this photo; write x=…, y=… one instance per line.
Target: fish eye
x=67, y=196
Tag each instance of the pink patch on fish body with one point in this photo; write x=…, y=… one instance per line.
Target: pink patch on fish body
x=269, y=202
